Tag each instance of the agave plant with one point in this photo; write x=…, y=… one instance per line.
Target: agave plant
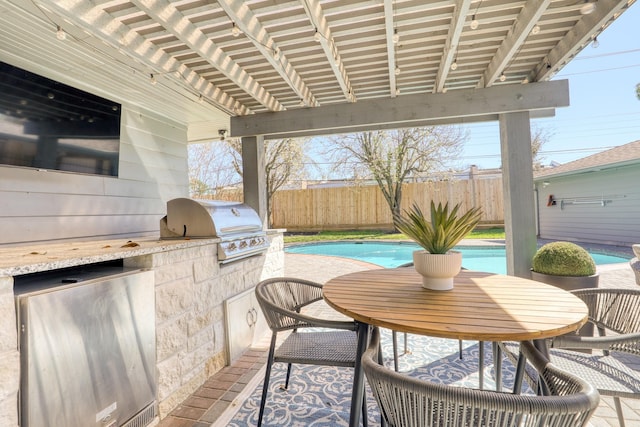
x=442, y=231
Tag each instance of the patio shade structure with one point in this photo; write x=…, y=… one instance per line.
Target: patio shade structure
x=268, y=69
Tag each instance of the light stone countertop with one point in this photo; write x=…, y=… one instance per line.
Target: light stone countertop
x=33, y=258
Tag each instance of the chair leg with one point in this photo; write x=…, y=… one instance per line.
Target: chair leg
x=517, y=382
x=383, y=423
x=497, y=364
x=406, y=341
x=365, y=419
x=481, y=365
x=267, y=375
x=394, y=336
x=358, y=376
x=616, y=401
x=286, y=382
x=460, y=348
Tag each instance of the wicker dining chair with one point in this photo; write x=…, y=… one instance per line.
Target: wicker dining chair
x=410, y=402
x=614, y=311
x=281, y=300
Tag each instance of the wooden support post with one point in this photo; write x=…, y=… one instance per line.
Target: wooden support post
x=517, y=181
x=254, y=176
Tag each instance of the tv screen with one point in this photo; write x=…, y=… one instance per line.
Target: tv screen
x=45, y=124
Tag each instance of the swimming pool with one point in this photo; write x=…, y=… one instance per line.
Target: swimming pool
x=394, y=254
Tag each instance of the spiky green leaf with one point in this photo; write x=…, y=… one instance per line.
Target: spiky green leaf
x=442, y=231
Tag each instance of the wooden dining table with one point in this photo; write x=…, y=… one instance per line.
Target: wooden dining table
x=481, y=306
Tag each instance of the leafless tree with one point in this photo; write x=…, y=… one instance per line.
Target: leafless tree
x=210, y=169
x=395, y=156
x=539, y=137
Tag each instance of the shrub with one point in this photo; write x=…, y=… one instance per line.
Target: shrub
x=563, y=259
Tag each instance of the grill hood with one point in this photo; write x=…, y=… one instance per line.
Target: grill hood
x=237, y=225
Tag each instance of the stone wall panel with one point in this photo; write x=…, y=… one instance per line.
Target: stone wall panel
x=169, y=377
x=10, y=374
x=8, y=411
x=8, y=329
x=173, y=298
x=171, y=337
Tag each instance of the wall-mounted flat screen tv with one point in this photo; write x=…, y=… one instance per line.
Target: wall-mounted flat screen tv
x=45, y=124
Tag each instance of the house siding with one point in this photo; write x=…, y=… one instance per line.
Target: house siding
x=617, y=223
x=52, y=205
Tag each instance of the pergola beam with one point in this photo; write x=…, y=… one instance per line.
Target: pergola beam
x=249, y=23
x=583, y=33
x=318, y=18
x=177, y=24
x=407, y=111
x=390, y=29
x=526, y=20
x=451, y=45
x=537, y=114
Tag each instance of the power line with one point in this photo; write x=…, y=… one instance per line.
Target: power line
x=598, y=71
x=492, y=156
x=543, y=153
x=602, y=55
x=578, y=150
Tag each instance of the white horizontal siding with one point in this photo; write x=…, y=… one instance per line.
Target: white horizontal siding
x=616, y=223
x=42, y=229
x=37, y=206
x=79, y=205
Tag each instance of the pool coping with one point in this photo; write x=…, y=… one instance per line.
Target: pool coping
x=612, y=250
x=464, y=242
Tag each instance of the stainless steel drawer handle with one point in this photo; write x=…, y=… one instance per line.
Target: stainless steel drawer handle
x=252, y=317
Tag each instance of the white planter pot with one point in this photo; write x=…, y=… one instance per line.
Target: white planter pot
x=437, y=270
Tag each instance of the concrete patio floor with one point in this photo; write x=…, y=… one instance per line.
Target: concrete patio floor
x=220, y=393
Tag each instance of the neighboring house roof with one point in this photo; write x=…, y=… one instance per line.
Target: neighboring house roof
x=618, y=156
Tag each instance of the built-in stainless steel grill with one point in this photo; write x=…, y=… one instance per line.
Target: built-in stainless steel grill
x=236, y=224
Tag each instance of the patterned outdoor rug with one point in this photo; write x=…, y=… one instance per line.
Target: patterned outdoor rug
x=321, y=396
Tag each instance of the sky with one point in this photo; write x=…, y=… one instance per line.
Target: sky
x=604, y=111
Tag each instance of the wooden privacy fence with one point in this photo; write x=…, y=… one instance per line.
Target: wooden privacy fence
x=364, y=207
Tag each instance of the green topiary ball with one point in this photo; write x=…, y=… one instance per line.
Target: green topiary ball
x=563, y=259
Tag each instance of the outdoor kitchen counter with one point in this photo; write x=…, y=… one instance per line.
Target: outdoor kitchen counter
x=17, y=260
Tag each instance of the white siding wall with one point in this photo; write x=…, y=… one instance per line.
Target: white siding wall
x=616, y=223
x=38, y=206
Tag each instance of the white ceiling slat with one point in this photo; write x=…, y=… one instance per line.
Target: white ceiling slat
x=579, y=35
x=90, y=17
x=451, y=45
x=391, y=30
x=250, y=25
x=102, y=75
x=526, y=20
x=166, y=14
x=319, y=20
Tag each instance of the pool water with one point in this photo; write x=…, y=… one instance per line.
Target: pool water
x=394, y=254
